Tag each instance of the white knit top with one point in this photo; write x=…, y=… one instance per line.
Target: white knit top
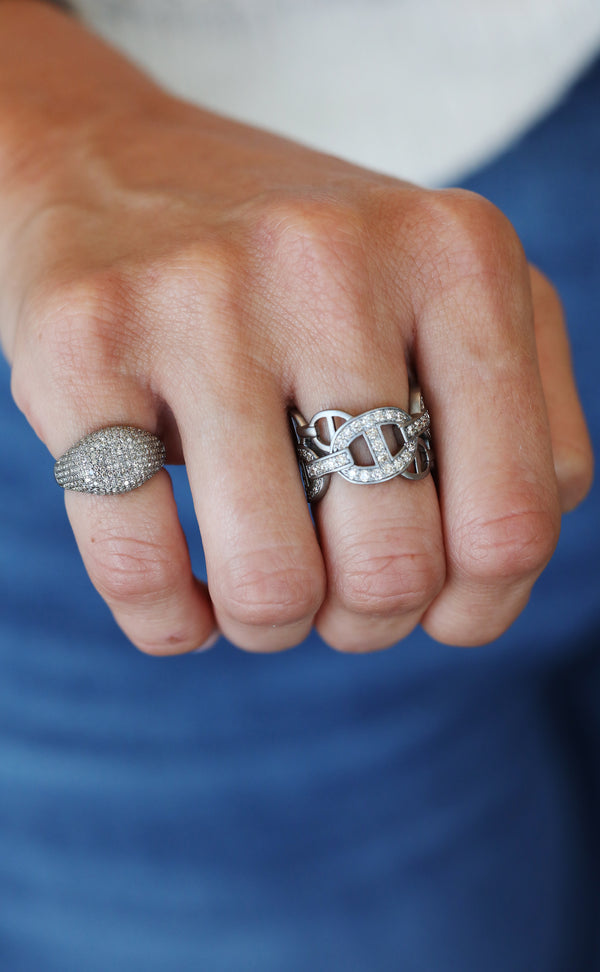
x=423, y=89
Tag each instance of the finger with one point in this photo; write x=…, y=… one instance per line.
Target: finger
x=571, y=446
x=476, y=355
x=132, y=544
x=136, y=555
x=265, y=570
x=382, y=542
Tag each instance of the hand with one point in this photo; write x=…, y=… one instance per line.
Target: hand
x=170, y=269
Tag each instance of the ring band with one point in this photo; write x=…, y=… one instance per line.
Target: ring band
x=323, y=446
x=115, y=459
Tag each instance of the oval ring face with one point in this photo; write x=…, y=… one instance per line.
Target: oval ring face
x=369, y=425
x=113, y=459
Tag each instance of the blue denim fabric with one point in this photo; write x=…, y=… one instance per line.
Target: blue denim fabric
x=423, y=809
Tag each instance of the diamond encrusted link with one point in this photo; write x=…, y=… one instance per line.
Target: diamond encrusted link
x=330, y=464
x=326, y=456
x=116, y=459
x=326, y=421
x=421, y=424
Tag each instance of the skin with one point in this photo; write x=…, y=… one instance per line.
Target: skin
x=164, y=267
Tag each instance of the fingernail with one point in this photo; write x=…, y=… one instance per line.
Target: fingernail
x=210, y=641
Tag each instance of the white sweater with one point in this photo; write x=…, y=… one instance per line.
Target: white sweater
x=423, y=89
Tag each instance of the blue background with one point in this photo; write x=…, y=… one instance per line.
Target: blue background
x=424, y=809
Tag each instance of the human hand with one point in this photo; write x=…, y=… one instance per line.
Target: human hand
x=166, y=268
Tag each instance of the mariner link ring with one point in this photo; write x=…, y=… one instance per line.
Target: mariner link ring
x=323, y=445
x=115, y=459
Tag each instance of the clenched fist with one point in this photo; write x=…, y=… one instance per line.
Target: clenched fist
x=166, y=268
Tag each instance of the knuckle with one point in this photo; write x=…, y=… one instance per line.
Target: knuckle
x=83, y=325
x=313, y=243
x=281, y=219
x=262, y=589
x=71, y=332
x=465, y=236
x=507, y=547
x=193, y=286
x=130, y=570
x=191, y=276
x=311, y=253
x=390, y=578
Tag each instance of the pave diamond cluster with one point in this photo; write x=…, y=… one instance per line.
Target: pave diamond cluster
x=323, y=448
x=115, y=459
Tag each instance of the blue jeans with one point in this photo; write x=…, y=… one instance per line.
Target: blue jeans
x=424, y=809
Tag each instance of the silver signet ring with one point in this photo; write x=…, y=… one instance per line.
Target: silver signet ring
x=115, y=459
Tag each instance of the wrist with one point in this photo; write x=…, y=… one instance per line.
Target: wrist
x=57, y=81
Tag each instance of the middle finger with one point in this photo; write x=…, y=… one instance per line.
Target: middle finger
x=382, y=543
